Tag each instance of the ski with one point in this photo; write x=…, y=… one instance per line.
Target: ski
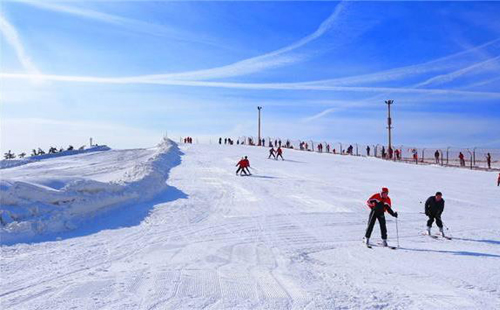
x=388, y=246
x=432, y=236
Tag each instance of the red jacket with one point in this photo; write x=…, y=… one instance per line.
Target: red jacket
x=279, y=151
x=376, y=199
x=242, y=163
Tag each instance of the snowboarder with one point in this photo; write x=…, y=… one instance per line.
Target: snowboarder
x=279, y=153
x=271, y=153
x=379, y=203
x=434, y=207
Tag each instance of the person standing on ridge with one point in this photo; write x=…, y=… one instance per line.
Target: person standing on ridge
x=434, y=207
x=379, y=203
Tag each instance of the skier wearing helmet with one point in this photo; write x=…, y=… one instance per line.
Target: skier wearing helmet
x=379, y=203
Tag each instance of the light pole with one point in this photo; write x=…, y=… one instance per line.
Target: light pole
x=259, y=144
x=389, y=120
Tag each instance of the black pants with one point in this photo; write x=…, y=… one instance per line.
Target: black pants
x=279, y=155
x=436, y=216
x=374, y=216
x=242, y=169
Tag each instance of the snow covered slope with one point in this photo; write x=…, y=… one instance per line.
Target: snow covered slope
x=288, y=237
x=55, y=193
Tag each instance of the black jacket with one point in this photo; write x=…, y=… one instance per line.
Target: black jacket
x=434, y=207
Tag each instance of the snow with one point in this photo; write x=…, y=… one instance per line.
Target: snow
x=288, y=237
x=54, y=194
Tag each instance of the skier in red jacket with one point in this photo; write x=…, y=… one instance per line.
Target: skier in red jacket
x=241, y=166
x=379, y=203
x=279, y=153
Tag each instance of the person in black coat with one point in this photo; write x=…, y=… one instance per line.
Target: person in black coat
x=434, y=207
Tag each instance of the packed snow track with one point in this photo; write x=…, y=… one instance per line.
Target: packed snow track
x=287, y=237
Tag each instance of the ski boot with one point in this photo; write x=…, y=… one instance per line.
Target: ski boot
x=384, y=243
x=429, y=230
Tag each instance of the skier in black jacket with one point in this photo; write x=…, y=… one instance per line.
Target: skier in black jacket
x=434, y=207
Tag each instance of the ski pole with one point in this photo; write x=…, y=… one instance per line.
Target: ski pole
x=397, y=231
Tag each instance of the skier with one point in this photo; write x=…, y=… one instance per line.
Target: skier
x=220, y=140
x=271, y=153
x=379, y=203
x=488, y=160
x=434, y=207
x=279, y=153
x=246, y=167
x=241, y=166
x=367, y=151
x=436, y=156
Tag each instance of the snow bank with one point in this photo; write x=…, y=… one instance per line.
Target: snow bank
x=32, y=205
x=9, y=163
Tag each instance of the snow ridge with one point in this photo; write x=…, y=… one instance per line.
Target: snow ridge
x=28, y=209
x=10, y=163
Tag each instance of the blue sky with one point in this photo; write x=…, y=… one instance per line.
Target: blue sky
x=126, y=72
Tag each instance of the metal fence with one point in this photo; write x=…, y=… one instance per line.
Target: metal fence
x=472, y=158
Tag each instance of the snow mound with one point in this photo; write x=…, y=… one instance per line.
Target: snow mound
x=38, y=198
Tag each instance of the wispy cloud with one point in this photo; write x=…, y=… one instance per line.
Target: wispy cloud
x=490, y=65
x=254, y=86
x=127, y=23
x=12, y=37
x=269, y=60
x=443, y=63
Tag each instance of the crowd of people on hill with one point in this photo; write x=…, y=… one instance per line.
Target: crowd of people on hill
x=188, y=140
x=389, y=153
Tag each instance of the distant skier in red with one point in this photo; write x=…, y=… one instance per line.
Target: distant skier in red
x=242, y=165
x=379, y=203
x=279, y=153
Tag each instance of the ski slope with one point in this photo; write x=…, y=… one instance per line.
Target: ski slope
x=288, y=237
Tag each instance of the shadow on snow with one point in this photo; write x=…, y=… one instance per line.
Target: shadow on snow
x=464, y=253
x=116, y=217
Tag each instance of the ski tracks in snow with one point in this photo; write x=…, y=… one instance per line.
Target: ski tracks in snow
x=289, y=239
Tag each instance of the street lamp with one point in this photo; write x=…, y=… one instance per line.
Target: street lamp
x=389, y=120
x=259, y=108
